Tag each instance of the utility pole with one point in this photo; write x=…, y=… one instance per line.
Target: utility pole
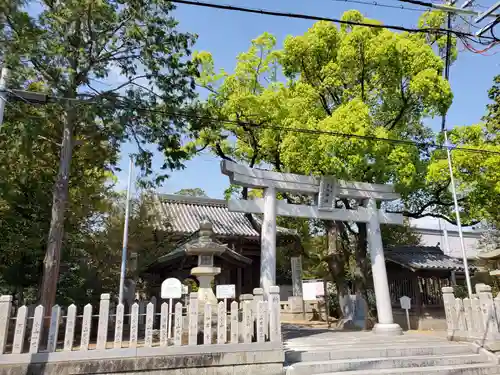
x=125, y=232
x=448, y=154
x=4, y=73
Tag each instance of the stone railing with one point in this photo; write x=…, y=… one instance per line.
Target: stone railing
x=296, y=309
x=252, y=323
x=476, y=319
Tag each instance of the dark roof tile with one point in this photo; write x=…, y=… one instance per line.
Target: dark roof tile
x=184, y=214
x=423, y=258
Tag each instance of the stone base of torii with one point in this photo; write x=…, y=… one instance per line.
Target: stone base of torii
x=326, y=189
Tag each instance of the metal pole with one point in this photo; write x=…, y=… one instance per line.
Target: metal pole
x=3, y=92
x=125, y=232
x=448, y=153
x=457, y=214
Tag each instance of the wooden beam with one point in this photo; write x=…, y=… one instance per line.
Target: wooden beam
x=256, y=206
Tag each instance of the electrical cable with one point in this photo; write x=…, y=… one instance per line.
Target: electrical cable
x=419, y=2
x=318, y=18
x=378, y=4
x=214, y=120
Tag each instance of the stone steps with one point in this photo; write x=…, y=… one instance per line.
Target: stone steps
x=317, y=352
x=468, y=369
x=348, y=365
x=388, y=351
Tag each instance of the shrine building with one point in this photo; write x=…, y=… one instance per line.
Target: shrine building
x=239, y=232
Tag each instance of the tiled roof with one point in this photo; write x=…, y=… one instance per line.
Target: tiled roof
x=184, y=214
x=181, y=252
x=423, y=258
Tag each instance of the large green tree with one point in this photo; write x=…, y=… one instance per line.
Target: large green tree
x=477, y=173
x=119, y=66
x=29, y=148
x=370, y=82
x=97, y=252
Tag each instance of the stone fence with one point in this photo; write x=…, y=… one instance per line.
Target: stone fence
x=209, y=332
x=476, y=319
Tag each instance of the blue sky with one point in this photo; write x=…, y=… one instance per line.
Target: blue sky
x=227, y=33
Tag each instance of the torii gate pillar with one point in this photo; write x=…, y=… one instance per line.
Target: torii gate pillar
x=385, y=325
x=326, y=188
x=268, y=241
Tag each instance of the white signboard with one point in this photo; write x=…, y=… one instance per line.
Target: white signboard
x=225, y=291
x=406, y=305
x=312, y=290
x=405, y=302
x=171, y=288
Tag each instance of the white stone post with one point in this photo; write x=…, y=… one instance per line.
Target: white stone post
x=5, y=310
x=164, y=324
x=385, y=325
x=150, y=321
x=490, y=324
x=268, y=242
x=274, y=315
x=86, y=327
x=178, y=324
x=449, y=300
x=20, y=330
x=102, y=325
x=120, y=312
x=36, y=329
x=54, y=328
x=234, y=322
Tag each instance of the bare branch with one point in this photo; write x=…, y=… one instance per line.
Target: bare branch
x=220, y=152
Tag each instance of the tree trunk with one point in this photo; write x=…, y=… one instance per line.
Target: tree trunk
x=60, y=198
x=336, y=264
x=362, y=262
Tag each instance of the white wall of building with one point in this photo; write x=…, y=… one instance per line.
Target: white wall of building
x=438, y=232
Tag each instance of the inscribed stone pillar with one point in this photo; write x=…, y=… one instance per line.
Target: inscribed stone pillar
x=268, y=242
x=385, y=325
x=296, y=263
x=449, y=300
x=488, y=309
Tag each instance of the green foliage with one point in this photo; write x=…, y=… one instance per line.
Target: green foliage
x=124, y=60
x=436, y=20
x=195, y=192
x=335, y=83
x=477, y=174
x=352, y=80
x=29, y=146
x=118, y=69
x=94, y=265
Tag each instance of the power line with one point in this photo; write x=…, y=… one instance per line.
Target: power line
x=187, y=115
x=318, y=18
x=445, y=7
x=419, y=2
x=19, y=95
x=382, y=5
x=326, y=132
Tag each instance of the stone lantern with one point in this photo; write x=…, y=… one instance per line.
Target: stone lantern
x=205, y=248
x=491, y=255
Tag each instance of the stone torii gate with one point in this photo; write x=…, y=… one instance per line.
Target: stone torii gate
x=327, y=189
